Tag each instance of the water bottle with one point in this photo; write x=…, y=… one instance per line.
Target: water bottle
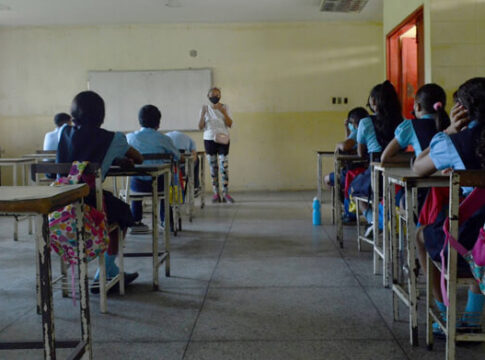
x=317, y=215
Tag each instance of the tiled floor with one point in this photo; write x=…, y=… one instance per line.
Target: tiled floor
x=252, y=280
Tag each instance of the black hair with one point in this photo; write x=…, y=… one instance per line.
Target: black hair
x=87, y=109
x=214, y=88
x=61, y=119
x=356, y=114
x=432, y=99
x=388, y=112
x=149, y=116
x=471, y=94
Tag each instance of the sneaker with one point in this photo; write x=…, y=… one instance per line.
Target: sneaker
x=139, y=228
x=216, y=199
x=129, y=278
x=369, y=231
x=228, y=199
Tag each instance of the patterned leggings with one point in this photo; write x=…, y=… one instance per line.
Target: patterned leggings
x=223, y=165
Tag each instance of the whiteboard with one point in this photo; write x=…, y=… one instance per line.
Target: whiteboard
x=179, y=94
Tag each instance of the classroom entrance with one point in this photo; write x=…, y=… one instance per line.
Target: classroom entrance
x=405, y=59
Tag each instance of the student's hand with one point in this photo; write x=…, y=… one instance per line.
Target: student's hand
x=446, y=171
x=458, y=118
x=124, y=163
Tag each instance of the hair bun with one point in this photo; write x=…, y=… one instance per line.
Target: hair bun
x=437, y=105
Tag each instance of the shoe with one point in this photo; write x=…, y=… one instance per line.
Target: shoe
x=348, y=220
x=216, y=199
x=139, y=228
x=228, y=199
x=129, y=278
x=369, y=231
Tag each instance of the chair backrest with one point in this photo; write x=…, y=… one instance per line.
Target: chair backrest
x=63, y=170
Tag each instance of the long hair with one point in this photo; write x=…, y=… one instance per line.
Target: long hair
x=471, y=94
x=388, y=112
x=432, y=99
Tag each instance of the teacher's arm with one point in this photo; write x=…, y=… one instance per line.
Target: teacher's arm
x=223, y=110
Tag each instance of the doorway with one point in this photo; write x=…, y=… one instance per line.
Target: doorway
x=405, y=59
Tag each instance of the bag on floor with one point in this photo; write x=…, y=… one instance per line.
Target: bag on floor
x=474, y=257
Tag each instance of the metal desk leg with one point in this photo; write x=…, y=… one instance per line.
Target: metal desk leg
x=338, y=203
x=385, y=233
x=83, y=283
x=319, y=178
x=395, y=263
x=411, y=209
x=44, y=255
x=375, y=218
x=15, y=221
x=166, y=190
x=155, y=221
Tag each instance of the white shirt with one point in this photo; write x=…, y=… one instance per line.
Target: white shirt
x=214, y=122
x=51, y=139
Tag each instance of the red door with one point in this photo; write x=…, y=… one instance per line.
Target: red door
x=409, y=74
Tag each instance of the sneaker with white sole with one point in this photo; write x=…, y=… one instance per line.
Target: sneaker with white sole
x=139, y=228
x=369, y=231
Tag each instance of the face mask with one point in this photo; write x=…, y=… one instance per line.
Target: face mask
x=351, y=127
x=214, y=99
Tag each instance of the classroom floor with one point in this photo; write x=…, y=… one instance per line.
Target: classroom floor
x=252, y=280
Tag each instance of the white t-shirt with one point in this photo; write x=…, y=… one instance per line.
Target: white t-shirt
x=214, y=122
x=51, y=139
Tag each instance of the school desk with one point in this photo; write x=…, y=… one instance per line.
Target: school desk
x=40, y=201
x=154, y=171
x=400, y=267
x=320, y=156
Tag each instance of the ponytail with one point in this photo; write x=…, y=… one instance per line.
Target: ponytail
x=432, y=99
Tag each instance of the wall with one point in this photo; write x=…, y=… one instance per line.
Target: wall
x=458, y=41
x=277, y=78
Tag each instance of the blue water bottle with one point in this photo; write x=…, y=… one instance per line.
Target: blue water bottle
x=317, y=215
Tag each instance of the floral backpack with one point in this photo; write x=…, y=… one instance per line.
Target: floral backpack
x=474, y=257
x=62, y=224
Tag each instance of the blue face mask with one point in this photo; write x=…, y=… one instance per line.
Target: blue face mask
x=351, y=127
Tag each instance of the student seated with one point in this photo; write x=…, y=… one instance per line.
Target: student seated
x=148, y=140
x=350, y=143
x=185, y=143
x=373, y=135
x=51, y=139
x=460, y=146
x=87, y=141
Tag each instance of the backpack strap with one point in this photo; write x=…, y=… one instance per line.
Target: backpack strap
x=468, y=207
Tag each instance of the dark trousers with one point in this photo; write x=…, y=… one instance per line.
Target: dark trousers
x=145, y=186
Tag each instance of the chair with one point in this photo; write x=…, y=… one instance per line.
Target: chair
x=457, y=179
x=128, y=195
x=104, y=284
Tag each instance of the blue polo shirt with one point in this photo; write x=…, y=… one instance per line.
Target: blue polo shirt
x=405, y=134
x=366, y=135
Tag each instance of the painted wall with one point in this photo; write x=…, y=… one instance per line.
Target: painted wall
x=277, y=78
x=458, y=41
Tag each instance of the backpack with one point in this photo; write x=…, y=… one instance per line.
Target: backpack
x=63, y=226
x=474, y=257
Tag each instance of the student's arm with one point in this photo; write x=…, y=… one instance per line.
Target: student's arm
x=390, y=153
x=134, y=155
x=362, y=150
x=223, y=110
x=423, y=165
x=202, y=117
x=346, y=146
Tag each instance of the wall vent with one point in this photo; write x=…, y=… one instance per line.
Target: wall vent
x=345, y=6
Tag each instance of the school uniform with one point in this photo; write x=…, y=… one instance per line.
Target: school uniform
x=51, y=139
x=96, y=145
x=149, y=141
x=186, y=144
x=352, y=136
x=457, y=152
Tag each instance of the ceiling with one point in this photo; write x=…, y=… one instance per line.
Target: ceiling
x=97, y=12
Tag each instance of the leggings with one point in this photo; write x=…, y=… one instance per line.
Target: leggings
x=217, y=152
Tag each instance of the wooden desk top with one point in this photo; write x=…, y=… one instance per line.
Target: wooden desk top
x=12, y=161
x=139, y=170
x=473, y=178
x=39, y=156
x=39, y=199
x=326, y=153
x=408, y=175
x=386, y=166
x=347, y=157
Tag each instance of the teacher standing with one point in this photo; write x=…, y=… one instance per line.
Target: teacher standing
x=215, y=120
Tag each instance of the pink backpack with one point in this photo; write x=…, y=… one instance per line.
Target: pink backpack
x=474, y=257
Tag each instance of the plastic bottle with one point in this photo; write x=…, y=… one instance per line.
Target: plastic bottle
x=317, y=215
